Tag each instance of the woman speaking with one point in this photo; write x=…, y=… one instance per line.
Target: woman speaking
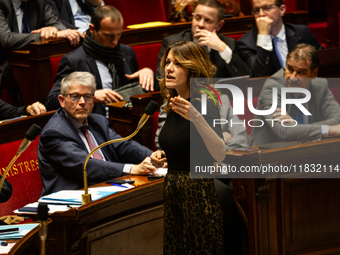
x=192, y=217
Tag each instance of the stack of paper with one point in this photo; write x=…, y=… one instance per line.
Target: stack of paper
x=66, y=199
x=23, y=230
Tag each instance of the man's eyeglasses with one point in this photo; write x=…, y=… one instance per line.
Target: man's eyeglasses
x=76, y=97
x=266, y=9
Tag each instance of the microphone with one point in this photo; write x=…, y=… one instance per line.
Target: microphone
x=31, y=134
x=42, y=218
x=149, y=111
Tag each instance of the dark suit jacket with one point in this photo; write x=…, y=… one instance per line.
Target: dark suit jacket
x=236, y=67
x=6, y=191
x=77, y=60
x=322, y=105
x=62, y=153
x=62, y=9
x=265, y=63
x=8, y=111
x=39, y=15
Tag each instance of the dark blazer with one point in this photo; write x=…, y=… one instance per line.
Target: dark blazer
x=62, y=9
x=236, y=67
x=39, y=15
x=324, y=108
x=8, y=111
x=265, y=63
x=61, y=154
x=6, y=191
x=77, y=60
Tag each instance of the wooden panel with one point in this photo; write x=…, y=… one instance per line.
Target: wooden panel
x=312, y=217
x=16, y=129
x=290, y=216
x=129, y=222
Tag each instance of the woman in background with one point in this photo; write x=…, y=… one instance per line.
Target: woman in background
x=192, y=217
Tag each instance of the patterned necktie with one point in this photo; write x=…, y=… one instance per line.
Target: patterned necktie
x=95, y=155
x=277, y=51
x=25, y=26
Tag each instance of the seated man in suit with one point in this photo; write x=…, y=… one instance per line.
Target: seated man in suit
x=8, y=111
x=265, y=47
x=75, y=14
x=207, y=21
x=23, y=22
x=301, y=72
x=113, y=64
x=6, y=191
x=73, y=132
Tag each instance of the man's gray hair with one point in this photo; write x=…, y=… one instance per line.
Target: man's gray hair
x=82, y=78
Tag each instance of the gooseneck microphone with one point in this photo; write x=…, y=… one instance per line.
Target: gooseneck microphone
x=149, y=111
x=31, y=134
x=42, y=218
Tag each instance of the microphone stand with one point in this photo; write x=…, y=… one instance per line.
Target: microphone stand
x=86, y=198
x=7, y=169
x=31, y=134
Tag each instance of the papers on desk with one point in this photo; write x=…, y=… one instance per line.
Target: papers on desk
x=23, y=230
x=149, y=24
x=73, y=197
x=33, y=207
x=161, y=171
x=66, y=199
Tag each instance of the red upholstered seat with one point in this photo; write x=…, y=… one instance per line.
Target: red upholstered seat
x=147, y=55
x=24, y=175
x=136, y=11
x=235, y=36
x=54, y=64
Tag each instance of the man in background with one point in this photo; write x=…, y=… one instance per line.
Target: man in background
x=301, y=72
x=23, y=22
x=113, y=64
x=265, y=47
x=75, y=14
x=73, y=132
x=207, y=21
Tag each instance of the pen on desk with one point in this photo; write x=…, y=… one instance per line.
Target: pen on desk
x=118, y=185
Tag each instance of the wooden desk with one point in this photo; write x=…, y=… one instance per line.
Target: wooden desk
x=291, y=215
x=16, y=129
x=31, y=68
x=125, y=120
x=235, y=25
x=129, y=222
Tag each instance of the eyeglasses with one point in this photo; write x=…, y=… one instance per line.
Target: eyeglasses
x=76, y=97
x=265, y=9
